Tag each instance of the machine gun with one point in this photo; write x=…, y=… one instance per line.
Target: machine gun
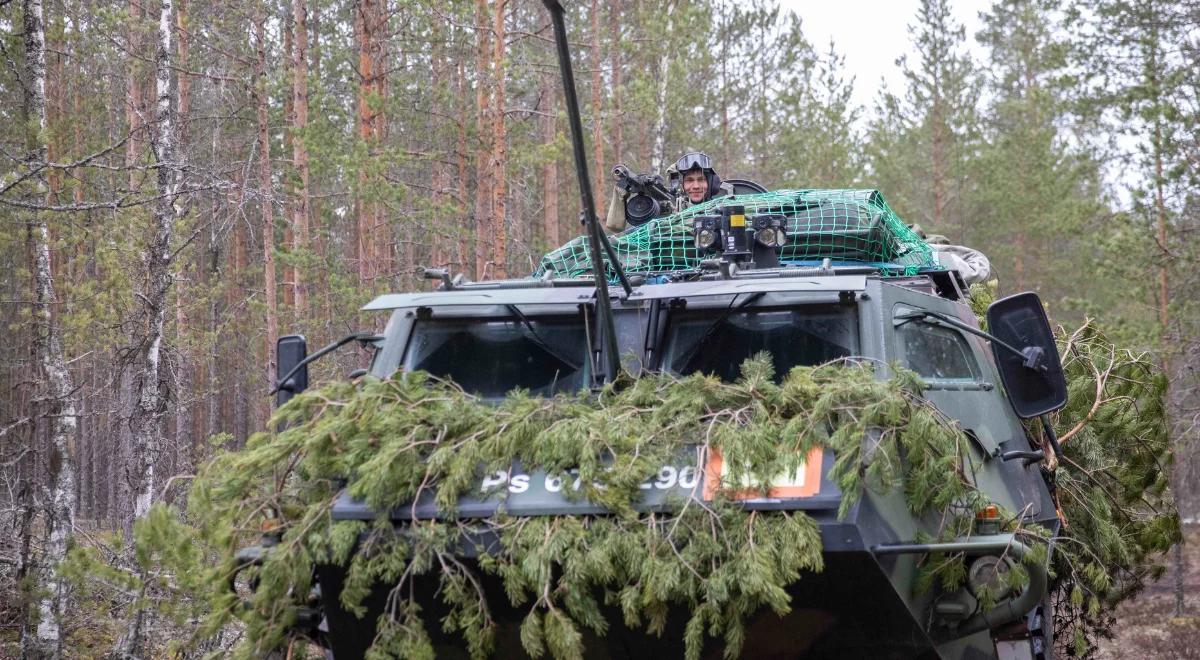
x=646, y=196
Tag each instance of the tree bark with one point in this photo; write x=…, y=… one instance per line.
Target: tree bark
x=442, y=235
x=383, y=241
x=146, y=421
x=59, y=496
x=660, y=98
x=135, y=103
x=465, y=260
x=265, y=191
x=300, y=151
x=937, y=156
x=185, y=377
x=483, y=229
x=549, y=130
x=364, y=211
x=617, y=67
x=289, y=118
x=499, y=149
x=597, y=107
x=1164, y=291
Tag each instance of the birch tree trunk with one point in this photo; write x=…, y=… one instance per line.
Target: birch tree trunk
x=59, y=495
x=660, y=99
x=146, y=420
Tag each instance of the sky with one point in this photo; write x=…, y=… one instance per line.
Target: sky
x=871, y=34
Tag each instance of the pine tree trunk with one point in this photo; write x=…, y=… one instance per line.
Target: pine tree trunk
x=383, y=242
x=265, y=190
x=442, y=236
x=617, y=67
x=724, y=60
x=549, y=131
x=465, y=258
x=59, y=495
x=499, y=164
x=597, y=108
x=938, y=161
x=300, y=209
x=363, y=209
x=483, y=228
x=135, y=104
x=187, y=372
x=1154, y=66
x=289, y=118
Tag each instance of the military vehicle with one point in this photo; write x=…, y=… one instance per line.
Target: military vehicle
x=810, y=277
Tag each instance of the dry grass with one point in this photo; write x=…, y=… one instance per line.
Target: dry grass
x=1147, y=626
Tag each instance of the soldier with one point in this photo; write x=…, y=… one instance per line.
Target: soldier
x=692, y=177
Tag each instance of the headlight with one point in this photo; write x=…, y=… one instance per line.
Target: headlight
x=704, y=231
x=769, y=230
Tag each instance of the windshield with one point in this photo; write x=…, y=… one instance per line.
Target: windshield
x=491, y=357
x=716, y=341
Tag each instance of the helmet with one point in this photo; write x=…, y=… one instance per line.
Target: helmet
x=690, y=161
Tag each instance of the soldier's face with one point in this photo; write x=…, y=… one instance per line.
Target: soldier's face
x=695, y=186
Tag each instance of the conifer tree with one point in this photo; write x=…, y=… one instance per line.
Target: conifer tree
x=920, y=142
x=1142, y=85
x=819, y=143
x=1033, y=191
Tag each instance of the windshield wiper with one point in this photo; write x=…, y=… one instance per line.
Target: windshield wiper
x=537, y=339
x=712, y=329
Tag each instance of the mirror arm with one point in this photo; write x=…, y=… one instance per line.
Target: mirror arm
x=1029, y=360
x=361, y=336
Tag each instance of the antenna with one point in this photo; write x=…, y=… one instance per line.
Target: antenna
x=595, y=235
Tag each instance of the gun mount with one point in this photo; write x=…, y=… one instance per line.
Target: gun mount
x=646, y=196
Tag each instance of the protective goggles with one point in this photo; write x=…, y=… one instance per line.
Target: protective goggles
x=692, y=161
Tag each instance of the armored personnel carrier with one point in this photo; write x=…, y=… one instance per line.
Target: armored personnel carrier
x=540, y=335
x=808, y=276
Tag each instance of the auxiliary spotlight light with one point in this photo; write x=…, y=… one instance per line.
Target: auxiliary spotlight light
x=740, y=238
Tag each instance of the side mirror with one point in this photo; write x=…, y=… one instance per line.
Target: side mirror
x=289, y=352
x=1029, y=365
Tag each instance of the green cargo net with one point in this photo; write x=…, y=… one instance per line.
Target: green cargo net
x=845, y=226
